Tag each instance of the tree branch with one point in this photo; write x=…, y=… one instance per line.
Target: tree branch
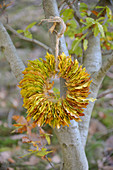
x=105, y=93
x=10, y=53
x=106, y=66
x=93, y=63
x=28, y=39
x=92, y=60
x=61, y=6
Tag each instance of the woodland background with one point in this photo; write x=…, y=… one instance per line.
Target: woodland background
x=99, y=147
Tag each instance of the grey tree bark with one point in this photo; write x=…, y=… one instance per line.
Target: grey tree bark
x=10, y=53
x=92, y=60
x=73, y=138
x=73, y=154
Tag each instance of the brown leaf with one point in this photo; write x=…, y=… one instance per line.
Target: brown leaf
x=25, y=139
x=11, y=160
x=9, y=168
x=20, y=119
x=79, y=35
x=53, y=27
x=94, y=12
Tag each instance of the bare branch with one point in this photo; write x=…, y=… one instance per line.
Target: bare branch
x=109, y=74
x=61, y=6
x=106, y=66
x=28, y=39
x=75, y=9
x=105, y=93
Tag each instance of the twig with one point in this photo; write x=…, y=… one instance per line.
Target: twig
x=106, y=53
x=28, y=39
x=105, y=93
x=11, y=112
x=61, y=6
x=48, y=160
x=68, y=5
x=106, y=66
x=109, y=74
x=99, y=135
x=50, y=163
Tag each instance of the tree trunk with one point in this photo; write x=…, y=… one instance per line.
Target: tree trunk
x=73, y=138
x=92, y=60
x=73, y=155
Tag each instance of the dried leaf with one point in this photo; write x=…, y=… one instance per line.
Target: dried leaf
x=41, y=104
x=53, y=27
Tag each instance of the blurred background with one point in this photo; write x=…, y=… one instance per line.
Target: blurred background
x=99, y=147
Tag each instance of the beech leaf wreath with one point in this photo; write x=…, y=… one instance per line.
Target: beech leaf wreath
x=40, y=103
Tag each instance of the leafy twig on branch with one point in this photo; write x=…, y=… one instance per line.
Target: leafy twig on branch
x=76, y=11
x=105, y=93
x=50, y=163
x=28, y=39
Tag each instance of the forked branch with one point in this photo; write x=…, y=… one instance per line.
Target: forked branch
x=106, y=66
x=108, y=91
x=28, y=39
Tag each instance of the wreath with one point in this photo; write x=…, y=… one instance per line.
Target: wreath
x=42, y=104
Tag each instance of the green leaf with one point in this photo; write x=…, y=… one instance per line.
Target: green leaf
x=99, y=7
x=73, y=23
x=67, y=14
x=30, y=153
x=78, y=51
x=109, y=13
x=71, y=29
x=48, y=139
x=20, y=31
x=91, y=99
x=30, y=25
x=96, y=30
x=90, y=20
x=56, y=92
x=100, y=27
x=85, y=27
x=83, y=6
x=101, y=12
x=105, y=28
x=43, y=152
x=85, y=44
x=27, y=34
x=100, y=19
x=77, y=41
